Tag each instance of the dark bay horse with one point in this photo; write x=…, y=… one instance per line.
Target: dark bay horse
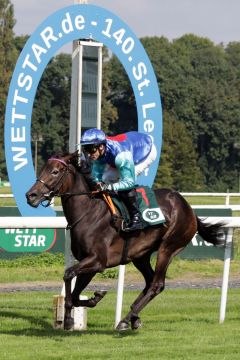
x=98, y=244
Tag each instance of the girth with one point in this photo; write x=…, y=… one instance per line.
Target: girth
x=107, y=198
x=126, y=243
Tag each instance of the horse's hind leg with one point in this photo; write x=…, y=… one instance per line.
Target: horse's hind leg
x=164, y=258
x=81, y=282
x=144, y=266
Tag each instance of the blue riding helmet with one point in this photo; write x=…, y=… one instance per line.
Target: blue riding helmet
x=93, y=137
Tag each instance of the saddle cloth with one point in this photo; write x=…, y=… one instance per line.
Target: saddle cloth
x=148, y=206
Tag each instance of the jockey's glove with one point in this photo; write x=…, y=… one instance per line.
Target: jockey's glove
x=104, y=187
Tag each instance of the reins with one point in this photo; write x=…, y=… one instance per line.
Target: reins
x=89, y=193
x=55, y=192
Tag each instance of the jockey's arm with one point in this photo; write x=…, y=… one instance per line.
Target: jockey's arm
x=125, y=165
x=98, y=170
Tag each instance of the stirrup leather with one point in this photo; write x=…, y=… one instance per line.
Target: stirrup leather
x=107, y=198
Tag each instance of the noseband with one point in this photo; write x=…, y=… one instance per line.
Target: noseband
x=54, y=191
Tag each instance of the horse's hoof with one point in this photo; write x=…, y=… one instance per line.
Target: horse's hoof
x=136, y=323
x=100, y=294
x=68, y=323
x=122, y=326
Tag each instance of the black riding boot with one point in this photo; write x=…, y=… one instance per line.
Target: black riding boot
x=130, y=200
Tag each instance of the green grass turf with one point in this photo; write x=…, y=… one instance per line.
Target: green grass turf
x=178, y=324
x=50, y=267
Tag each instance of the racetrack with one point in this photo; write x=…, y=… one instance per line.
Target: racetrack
x=112, y=284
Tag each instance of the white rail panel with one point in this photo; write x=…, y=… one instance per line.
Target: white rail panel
x=17, y=222
x=209, y=194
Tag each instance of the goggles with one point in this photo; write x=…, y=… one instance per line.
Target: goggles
x=90, y=148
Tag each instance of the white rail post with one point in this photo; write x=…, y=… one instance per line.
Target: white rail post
x=227, y=260
x=99, y=88
x=120, y=286
x=227, y=199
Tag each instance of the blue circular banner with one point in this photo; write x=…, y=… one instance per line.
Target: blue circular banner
x=64, y=26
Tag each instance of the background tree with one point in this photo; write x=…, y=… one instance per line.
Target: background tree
x=212, y=100
x=19, y=42
x=8, y=55
x=178, y=165
x=109, y=111
x=122, y=98
x=50, y=119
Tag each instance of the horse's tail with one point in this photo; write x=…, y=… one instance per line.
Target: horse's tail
x=211, y=233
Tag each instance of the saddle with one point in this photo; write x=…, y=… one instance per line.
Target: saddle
x=148, y=206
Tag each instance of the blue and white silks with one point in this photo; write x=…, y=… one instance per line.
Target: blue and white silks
x=123, y=153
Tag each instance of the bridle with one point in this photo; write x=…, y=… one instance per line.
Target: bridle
x=54, y=191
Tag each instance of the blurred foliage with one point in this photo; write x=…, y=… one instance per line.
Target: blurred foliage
x=41, y=260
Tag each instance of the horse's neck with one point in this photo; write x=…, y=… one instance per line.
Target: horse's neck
x=78, y=185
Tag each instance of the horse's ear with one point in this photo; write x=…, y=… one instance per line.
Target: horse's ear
x=72, y=158
x=82, y=158
x=75, y=155
x=84, y=163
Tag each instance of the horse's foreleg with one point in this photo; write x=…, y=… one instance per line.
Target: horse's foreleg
x=68, y=320
x=89, y=265
x=81, y=282
x=92, y=302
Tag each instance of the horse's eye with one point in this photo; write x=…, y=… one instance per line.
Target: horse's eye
x=55, y=172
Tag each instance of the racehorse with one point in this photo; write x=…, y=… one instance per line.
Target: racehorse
x=98, y=243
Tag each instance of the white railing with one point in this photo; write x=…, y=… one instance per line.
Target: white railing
x=41, y=222
x=61, y=223
x=232, y=207
x=226, y=195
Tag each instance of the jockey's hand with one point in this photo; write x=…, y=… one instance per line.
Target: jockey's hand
x=104, y=187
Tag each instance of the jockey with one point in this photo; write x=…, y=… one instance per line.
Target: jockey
x=117, y=161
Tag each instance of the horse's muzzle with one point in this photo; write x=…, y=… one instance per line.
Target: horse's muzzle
x=32, y=199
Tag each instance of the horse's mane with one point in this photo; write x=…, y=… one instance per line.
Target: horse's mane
x=82, y=164
x=85, y=168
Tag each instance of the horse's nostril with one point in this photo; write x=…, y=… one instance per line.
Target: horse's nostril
x=31, y=196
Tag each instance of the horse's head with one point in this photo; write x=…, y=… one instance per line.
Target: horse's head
x=54, y=178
